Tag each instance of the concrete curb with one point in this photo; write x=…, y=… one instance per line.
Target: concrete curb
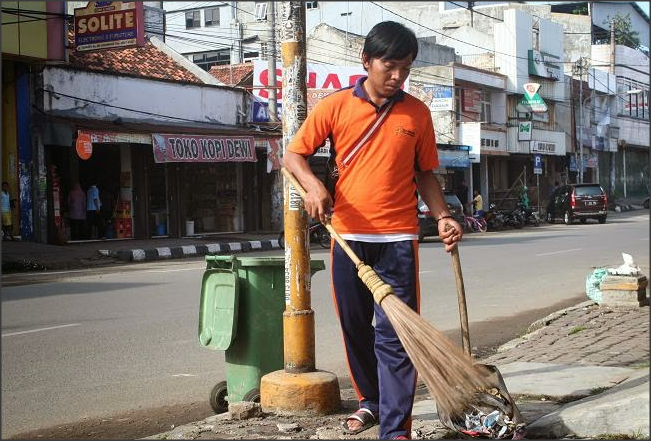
x=177, y=252
x=627, y=207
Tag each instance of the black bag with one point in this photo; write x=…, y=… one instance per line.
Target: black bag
x=331, y=174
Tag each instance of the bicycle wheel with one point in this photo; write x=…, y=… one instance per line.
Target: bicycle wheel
x=467, y=225
x=482, y=225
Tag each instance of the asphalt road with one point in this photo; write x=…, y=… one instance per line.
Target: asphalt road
x=91, y=345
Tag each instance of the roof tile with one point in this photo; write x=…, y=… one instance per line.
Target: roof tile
x=147, y=61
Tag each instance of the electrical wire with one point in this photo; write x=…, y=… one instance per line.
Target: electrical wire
x=199, y=41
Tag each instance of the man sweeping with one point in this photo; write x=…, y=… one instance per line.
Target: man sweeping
x=384, y=147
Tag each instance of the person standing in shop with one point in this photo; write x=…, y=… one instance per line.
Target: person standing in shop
x=478, y=204
x=7, y=205
x=77, y=212
x=462, y=194
x=94, y=212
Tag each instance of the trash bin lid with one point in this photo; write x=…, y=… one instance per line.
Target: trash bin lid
x=218, y=308
x=275, y=261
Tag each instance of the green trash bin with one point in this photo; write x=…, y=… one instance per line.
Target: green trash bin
x=241, y=313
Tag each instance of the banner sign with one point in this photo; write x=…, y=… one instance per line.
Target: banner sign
x=441, y=98
x=457, y=158
x=86, y=139
x=470, y=135
x=322, y=79
x=544, y=65
x=83, y=145
x=532, y=102
x=108, y=25
x=574, y=161
x=200, y=148
x=524, y=130
x=471, y=100
x=544, y=147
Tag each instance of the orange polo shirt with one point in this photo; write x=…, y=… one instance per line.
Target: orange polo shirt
x=376, y=191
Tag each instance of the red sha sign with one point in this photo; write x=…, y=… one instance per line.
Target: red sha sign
x=109, y=25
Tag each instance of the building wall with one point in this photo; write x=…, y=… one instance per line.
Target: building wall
x=202, y=38
x=359, y=17
x=602, y=10
x=187, y=102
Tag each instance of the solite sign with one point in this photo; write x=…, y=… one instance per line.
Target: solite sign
x=108, y=25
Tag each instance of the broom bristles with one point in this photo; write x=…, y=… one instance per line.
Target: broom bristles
x=447, y=372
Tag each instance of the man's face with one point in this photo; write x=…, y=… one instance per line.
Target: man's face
x=5, y=187
x=385, y=76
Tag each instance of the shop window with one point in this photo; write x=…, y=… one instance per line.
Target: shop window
x=192, y=19
x=485, y=100
x=206, y=60
x=212, y=16
x=261, y=11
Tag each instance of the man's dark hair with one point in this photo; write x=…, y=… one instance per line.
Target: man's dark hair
x=391, y=41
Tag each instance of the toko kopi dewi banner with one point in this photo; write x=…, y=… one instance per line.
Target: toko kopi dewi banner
x=203, y=148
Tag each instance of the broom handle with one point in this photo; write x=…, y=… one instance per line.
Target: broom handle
x=340, y=240
x=461, y=295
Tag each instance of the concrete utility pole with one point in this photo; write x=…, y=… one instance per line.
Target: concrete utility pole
x=299, y=388
x=271, y=63
x=612, y=71
x=580, y=164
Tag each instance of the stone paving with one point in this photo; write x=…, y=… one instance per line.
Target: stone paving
x=587, y=334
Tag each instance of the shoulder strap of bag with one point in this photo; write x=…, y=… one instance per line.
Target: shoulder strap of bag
x=367, y=135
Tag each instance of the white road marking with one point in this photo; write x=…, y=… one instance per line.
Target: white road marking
x=183, y=375
x=40, y=329
x=558, y=252
x=645, y=238
x=424, y=272
x=174, y=270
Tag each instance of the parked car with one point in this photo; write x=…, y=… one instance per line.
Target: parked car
x=646, y=202
x=578, y=201
x=428, y=223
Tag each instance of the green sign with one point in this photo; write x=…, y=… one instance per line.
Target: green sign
x=531, y=100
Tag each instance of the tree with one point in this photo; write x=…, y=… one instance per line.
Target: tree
x=624, y=34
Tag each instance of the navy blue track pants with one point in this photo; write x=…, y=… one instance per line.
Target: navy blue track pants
x=381, y=372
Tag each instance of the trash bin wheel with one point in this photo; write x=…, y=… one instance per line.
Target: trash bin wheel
x=218, y=395
x=252, y=396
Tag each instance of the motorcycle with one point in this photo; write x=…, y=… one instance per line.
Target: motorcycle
x=513, y=219
x=494, y=218
x=317, y=233
x=529, y=216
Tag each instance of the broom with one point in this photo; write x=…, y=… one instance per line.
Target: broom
x=448, y=373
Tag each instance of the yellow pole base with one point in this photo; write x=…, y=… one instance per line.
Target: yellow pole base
x=305, y=394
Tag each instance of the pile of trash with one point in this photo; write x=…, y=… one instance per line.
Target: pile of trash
x=593, y=281
x=491, y=416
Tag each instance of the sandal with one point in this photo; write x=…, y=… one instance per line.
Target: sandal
x=364, y=416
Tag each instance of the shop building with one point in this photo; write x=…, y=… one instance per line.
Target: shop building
x=530, y=56
x=26, y=46
x=171, y=155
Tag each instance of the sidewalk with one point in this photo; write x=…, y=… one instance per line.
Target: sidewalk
x=580, y=373
x=30, y=256
x=20, y=256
